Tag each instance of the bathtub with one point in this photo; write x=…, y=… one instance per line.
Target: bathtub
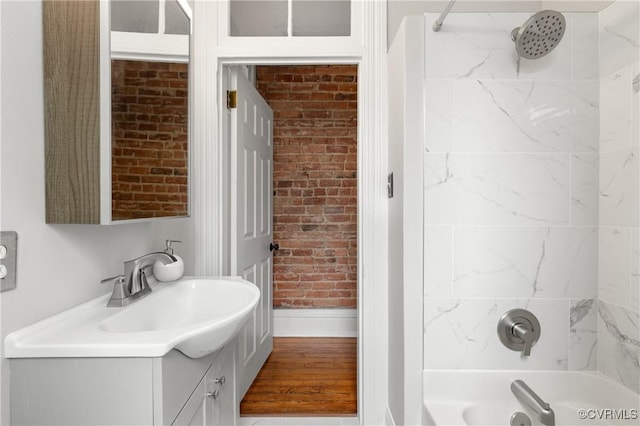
x=485, y=398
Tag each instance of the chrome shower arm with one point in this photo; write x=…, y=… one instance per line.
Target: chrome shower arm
x=438, y=24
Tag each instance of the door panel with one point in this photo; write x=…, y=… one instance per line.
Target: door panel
x=264, y=327
x=248, y=341
x=251, y=127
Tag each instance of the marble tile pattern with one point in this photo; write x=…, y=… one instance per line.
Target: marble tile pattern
x=479, y=46
x=438, y=260
x=619, y=198
x=634, y=276
x=511, y=193
x=614, y=265
x=619, y=175
x=619, y=35
x=525, y=262
x=583, y=329
x=518, y=116
x=584, y=189
x=619, y=344
x=497, y=189
x=615, y=116
x=461, y=334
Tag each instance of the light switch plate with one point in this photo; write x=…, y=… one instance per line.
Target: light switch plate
x=8, y=240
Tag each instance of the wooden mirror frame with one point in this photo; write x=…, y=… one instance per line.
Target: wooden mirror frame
x=77, y=89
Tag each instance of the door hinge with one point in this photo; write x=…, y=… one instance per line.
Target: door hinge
x=232, y=99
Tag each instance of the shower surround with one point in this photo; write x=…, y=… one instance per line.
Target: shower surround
x=531, y=194
x=619, y=200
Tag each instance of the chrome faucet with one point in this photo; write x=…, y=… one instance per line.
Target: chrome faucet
x=519, y=330
x=133, y=285
x=528, y=397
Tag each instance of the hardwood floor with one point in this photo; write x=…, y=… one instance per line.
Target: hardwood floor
x=305, y=377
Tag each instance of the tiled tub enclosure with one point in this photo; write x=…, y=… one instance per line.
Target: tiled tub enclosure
x=511, y=191
x=619, y=202
x=531, y=194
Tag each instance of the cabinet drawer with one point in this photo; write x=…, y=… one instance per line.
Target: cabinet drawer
x=198, y=410
x=175, y=377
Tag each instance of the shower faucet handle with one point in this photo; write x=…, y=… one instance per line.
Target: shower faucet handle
x=519, y=330
x=526, y=335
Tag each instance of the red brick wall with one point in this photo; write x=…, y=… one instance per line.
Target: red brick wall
x=315, y=164
x=149, y=139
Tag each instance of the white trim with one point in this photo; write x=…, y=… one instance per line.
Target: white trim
x=206, y=152
x=413, y=218
x=315, y=323
x=289, y=18
x=162, y=20
x=186, y=8
x=388, y=418
x=211, y=55
x=105, y=113
x=331, y=44
x=373, y=260
x=150, y=47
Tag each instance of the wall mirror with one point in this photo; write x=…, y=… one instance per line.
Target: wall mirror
x=149, y=108
x=117, y=109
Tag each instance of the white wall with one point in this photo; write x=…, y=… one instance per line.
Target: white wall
x=396, y=60
x=406, y=112
x=59, y=266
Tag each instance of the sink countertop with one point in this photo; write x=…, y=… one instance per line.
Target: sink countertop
x=80, y=331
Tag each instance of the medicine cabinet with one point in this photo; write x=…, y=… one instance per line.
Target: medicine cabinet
x=116, y=86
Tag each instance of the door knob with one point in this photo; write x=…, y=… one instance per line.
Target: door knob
x=274, y=247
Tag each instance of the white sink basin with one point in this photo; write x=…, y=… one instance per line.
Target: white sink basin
x=197, y=316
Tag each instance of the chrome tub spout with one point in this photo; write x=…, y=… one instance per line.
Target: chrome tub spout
x=528, y=397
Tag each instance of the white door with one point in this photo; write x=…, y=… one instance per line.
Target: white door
x=251, y=135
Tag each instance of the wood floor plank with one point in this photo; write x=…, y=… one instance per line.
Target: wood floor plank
x=306, y=377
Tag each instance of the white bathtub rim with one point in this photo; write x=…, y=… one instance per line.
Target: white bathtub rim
x=445, y=396
x=584, y=373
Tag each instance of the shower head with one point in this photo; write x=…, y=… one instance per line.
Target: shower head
x=539, y=35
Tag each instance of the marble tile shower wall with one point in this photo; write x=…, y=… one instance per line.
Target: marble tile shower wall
x=511, y=193
x=619, y=204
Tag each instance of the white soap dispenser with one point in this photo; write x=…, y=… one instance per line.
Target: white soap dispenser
x=172, y=271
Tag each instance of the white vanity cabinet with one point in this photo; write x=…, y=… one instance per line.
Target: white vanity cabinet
x=210, y=402
x=168, y=390
x=198, y=410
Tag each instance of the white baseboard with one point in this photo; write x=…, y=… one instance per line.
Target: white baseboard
x=388, y=418
x=315, y=322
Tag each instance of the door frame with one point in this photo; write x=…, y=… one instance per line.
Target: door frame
x=211, y=199
x=365, y=186
x=228, y=211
